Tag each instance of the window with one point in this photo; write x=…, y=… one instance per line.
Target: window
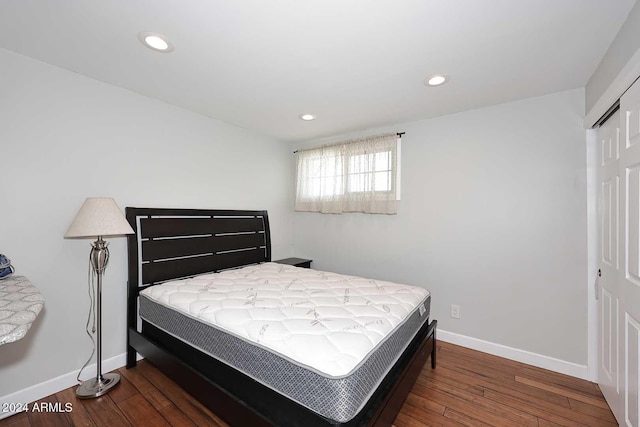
x=353, y=176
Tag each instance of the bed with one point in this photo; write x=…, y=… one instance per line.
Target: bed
x=262, y=343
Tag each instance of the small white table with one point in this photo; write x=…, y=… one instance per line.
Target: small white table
x=20, y=304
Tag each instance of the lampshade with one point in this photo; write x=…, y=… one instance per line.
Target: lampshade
x=99, y=216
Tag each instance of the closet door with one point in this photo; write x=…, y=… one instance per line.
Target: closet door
x=609, y=260
x=629, y=278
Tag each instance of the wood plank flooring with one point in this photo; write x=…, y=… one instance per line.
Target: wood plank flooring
x=467, y=388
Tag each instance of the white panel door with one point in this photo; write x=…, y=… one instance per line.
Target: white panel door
x=629, y=282
x=609, y=260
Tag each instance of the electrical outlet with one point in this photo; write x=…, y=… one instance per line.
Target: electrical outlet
x=455, y=311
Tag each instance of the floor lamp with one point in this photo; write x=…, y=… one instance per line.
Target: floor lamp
x=97, y=218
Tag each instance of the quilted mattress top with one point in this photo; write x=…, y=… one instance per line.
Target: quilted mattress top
x=325, y=321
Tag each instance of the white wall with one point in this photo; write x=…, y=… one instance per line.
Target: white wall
x=64, y=137
x=492, y=217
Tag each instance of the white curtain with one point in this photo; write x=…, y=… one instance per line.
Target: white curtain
x=358, y=175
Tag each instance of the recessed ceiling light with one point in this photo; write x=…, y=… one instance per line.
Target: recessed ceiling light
x=436, y=80
x=155, y=41
x=307, y=117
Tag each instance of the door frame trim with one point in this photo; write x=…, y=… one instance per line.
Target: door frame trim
x=593, y=241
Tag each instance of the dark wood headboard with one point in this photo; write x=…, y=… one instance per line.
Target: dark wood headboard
x=174, y=243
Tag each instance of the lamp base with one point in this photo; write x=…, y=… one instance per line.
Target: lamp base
x=94, y=388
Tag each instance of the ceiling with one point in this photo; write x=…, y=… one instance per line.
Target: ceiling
x=355, y=64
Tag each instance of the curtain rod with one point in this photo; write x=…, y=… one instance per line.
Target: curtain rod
x=397, y=133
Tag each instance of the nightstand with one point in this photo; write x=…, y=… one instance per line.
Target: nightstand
x=296, y=262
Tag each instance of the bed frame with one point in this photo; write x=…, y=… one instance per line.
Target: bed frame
x=175, y=243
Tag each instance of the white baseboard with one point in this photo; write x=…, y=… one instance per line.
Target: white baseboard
x=54, y=385
x=539, y=360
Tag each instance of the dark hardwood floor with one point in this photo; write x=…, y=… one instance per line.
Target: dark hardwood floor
x=467, y=388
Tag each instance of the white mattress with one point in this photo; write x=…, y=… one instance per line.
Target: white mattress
x=324, y=321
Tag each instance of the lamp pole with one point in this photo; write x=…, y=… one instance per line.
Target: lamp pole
x=101, y=384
